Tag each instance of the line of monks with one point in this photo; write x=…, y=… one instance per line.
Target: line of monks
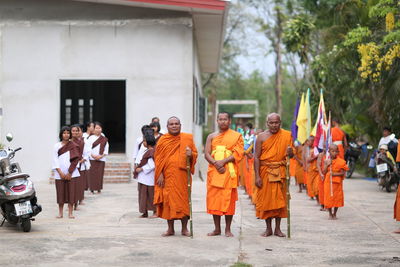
x=224, y=151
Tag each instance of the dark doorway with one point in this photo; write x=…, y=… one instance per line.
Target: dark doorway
x=91, y=100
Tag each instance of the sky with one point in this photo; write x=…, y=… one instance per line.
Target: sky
x=258, y=56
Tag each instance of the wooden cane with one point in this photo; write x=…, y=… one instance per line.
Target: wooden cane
x=189, y=194
x=288, y=195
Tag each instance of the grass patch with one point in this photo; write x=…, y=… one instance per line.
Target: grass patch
x=241, y=264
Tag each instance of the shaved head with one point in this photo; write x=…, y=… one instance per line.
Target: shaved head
x=174, y=125
x=273, y=116
x=173, y=117
x=334, y=147
x=274, y=122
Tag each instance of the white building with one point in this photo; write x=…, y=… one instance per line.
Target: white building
x=120, y=62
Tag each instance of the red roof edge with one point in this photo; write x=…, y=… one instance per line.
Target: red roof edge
x=203, y=4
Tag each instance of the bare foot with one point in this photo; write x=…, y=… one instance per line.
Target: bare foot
x=330, y=217
x=168, y=233
x=397, y=231
x=299, y=191
x=185, y=233
x=334, y=217
x=153, y=216
x=59, y=217
x=214, y=233
x=279, y=233
x=81, y=203
x=71, y=217
x=228, y=234
x=266, y=233
x=322, y=209
x=143, y=216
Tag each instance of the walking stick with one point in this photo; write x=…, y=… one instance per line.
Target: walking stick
x=330, y=182
x=189, y=194
x=288, y=195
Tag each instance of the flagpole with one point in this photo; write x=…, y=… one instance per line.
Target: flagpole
x=330, y=167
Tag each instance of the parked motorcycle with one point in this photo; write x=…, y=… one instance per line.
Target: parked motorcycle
x=18, y=200
x=387, y=179
x=352, y=155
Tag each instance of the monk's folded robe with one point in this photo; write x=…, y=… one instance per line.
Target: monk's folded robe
x=271, y=197
x=222, y=188
x=336, y=198
x=170, y=159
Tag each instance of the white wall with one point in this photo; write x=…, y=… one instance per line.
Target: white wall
x=153, y=55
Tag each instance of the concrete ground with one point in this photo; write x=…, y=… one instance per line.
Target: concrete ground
x=108, y=232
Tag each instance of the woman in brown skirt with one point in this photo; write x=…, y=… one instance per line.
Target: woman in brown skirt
x=97, y=158
x=65, y=161
x=80, y=184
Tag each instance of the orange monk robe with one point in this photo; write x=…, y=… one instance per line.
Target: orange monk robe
x=299, y=174
x=337, y=198
x=249, y=171
x=397, y=205
x=241, y=170
x=292, y=167
x=398, y=151
x=312, y=177
x=221, y=197
x=337, y=138
x=254, y=188
x=170, y=159
x=271, y=197
x=321, y=189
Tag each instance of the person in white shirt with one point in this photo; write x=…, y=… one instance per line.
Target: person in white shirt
x=65, y=161
x=89, y=130
x=139, y=148
x=99, y=145
x=387, y=137
x=144, y=173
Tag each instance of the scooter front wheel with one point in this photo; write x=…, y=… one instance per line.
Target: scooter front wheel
x=26, y=225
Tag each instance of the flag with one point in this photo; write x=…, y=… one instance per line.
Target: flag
x=319, y=127
x=294, y=125
x=308, y=114
x=302, y=121
x=328, y=136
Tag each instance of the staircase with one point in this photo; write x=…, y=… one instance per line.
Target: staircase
x=117, y=170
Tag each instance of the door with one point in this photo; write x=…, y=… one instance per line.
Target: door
x=96, y=100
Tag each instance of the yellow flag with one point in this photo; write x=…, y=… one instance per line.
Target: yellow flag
x=308, y=113
x=302, y=121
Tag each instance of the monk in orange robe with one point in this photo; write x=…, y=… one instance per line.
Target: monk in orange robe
x=321, y=190
x=397, y=208
x=249, y=170
x=224, y=151
x=312, y=170
x=334, y=169
x=397, y=200
x=273, y=149
x=171, y=187
x=339, y=137
x=299, y=174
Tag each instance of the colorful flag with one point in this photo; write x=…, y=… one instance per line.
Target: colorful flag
x=294, y=125
x=319, y=127
x=301, y=121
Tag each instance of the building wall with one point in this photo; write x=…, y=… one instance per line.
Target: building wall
x=153, y=55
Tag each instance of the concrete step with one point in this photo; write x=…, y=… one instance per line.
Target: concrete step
x=117, y=170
